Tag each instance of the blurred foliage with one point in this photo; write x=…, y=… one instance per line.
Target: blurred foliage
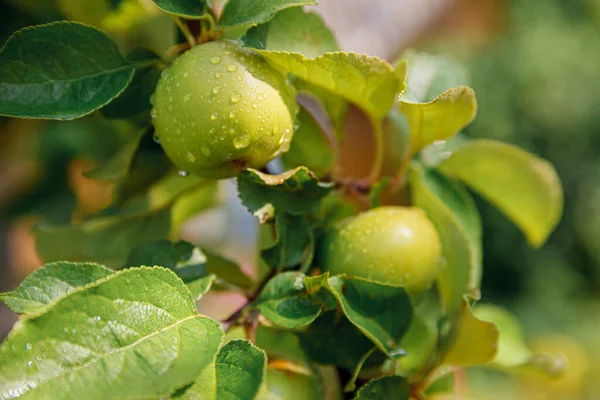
x=537, y=81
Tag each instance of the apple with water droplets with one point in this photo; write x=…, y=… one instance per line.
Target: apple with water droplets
x=393, y=244
x=220, y=108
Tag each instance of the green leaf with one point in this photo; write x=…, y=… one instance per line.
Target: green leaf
x=88, y=12
x=183, y=258
x=293, y=300
x=453, y=213
x=133, y=334
x=309, y=147
x=135, y=100
x=513, y=352
x=189, y=9
x=294, y=242
x=236, y=374
x=51, y=282
x=108, y=239
x=294, y=192
x=388, y=387
x=524, y=187
x=188, y=261
x=441, y=118
x=369, y=82
x=332, y=339
x=476, y=341
x=118, y=166
x=381, y=312
x=62, y=70
x=429, y=75
x=293, y=30
x=246, y=12
x=335, y=106
x=198, y=287
x=227, y=270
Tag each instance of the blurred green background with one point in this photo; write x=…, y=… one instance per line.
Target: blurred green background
x=535, y=66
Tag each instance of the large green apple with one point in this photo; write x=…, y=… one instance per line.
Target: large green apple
x=396, y=245
x=221, y=108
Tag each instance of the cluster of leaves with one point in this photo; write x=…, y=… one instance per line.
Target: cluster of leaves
x=89, y=331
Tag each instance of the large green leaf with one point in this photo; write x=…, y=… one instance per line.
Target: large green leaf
x=454, y=215
x=135, y=100
x=253, y=12
x=523, y=186
x=388, y=387
x=369, y=82
x=294, y=192
x=293, y=300
x=236, y=374
x=381, y=312
x=190, y=9
x=441, y=118
x=310, y=147
x=134, y=334
x=62, y=70
x=293, y=30
x=50, y=283
x=476, y=341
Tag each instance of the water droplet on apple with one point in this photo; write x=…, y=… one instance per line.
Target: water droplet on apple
x=215, y=59
x=235, y=97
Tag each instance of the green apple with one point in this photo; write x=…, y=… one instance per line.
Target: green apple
x=220, y=108
x=396, y=245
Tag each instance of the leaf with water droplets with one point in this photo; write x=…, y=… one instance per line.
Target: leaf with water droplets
x=369, y=82
x=292, y=300
x=381, y=312
x=51, y=282
x=133, y=334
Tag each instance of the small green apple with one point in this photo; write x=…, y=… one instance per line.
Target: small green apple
x=396, y=245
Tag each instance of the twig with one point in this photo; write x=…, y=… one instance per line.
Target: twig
x=232, y=320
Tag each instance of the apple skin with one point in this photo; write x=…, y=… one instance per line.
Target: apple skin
x=287, y=385
x=220, y=108
x=392, y=244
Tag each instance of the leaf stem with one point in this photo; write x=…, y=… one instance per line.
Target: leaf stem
x=186, y=31
x=378, y=162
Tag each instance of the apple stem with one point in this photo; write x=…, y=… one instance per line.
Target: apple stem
x=186, y=31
